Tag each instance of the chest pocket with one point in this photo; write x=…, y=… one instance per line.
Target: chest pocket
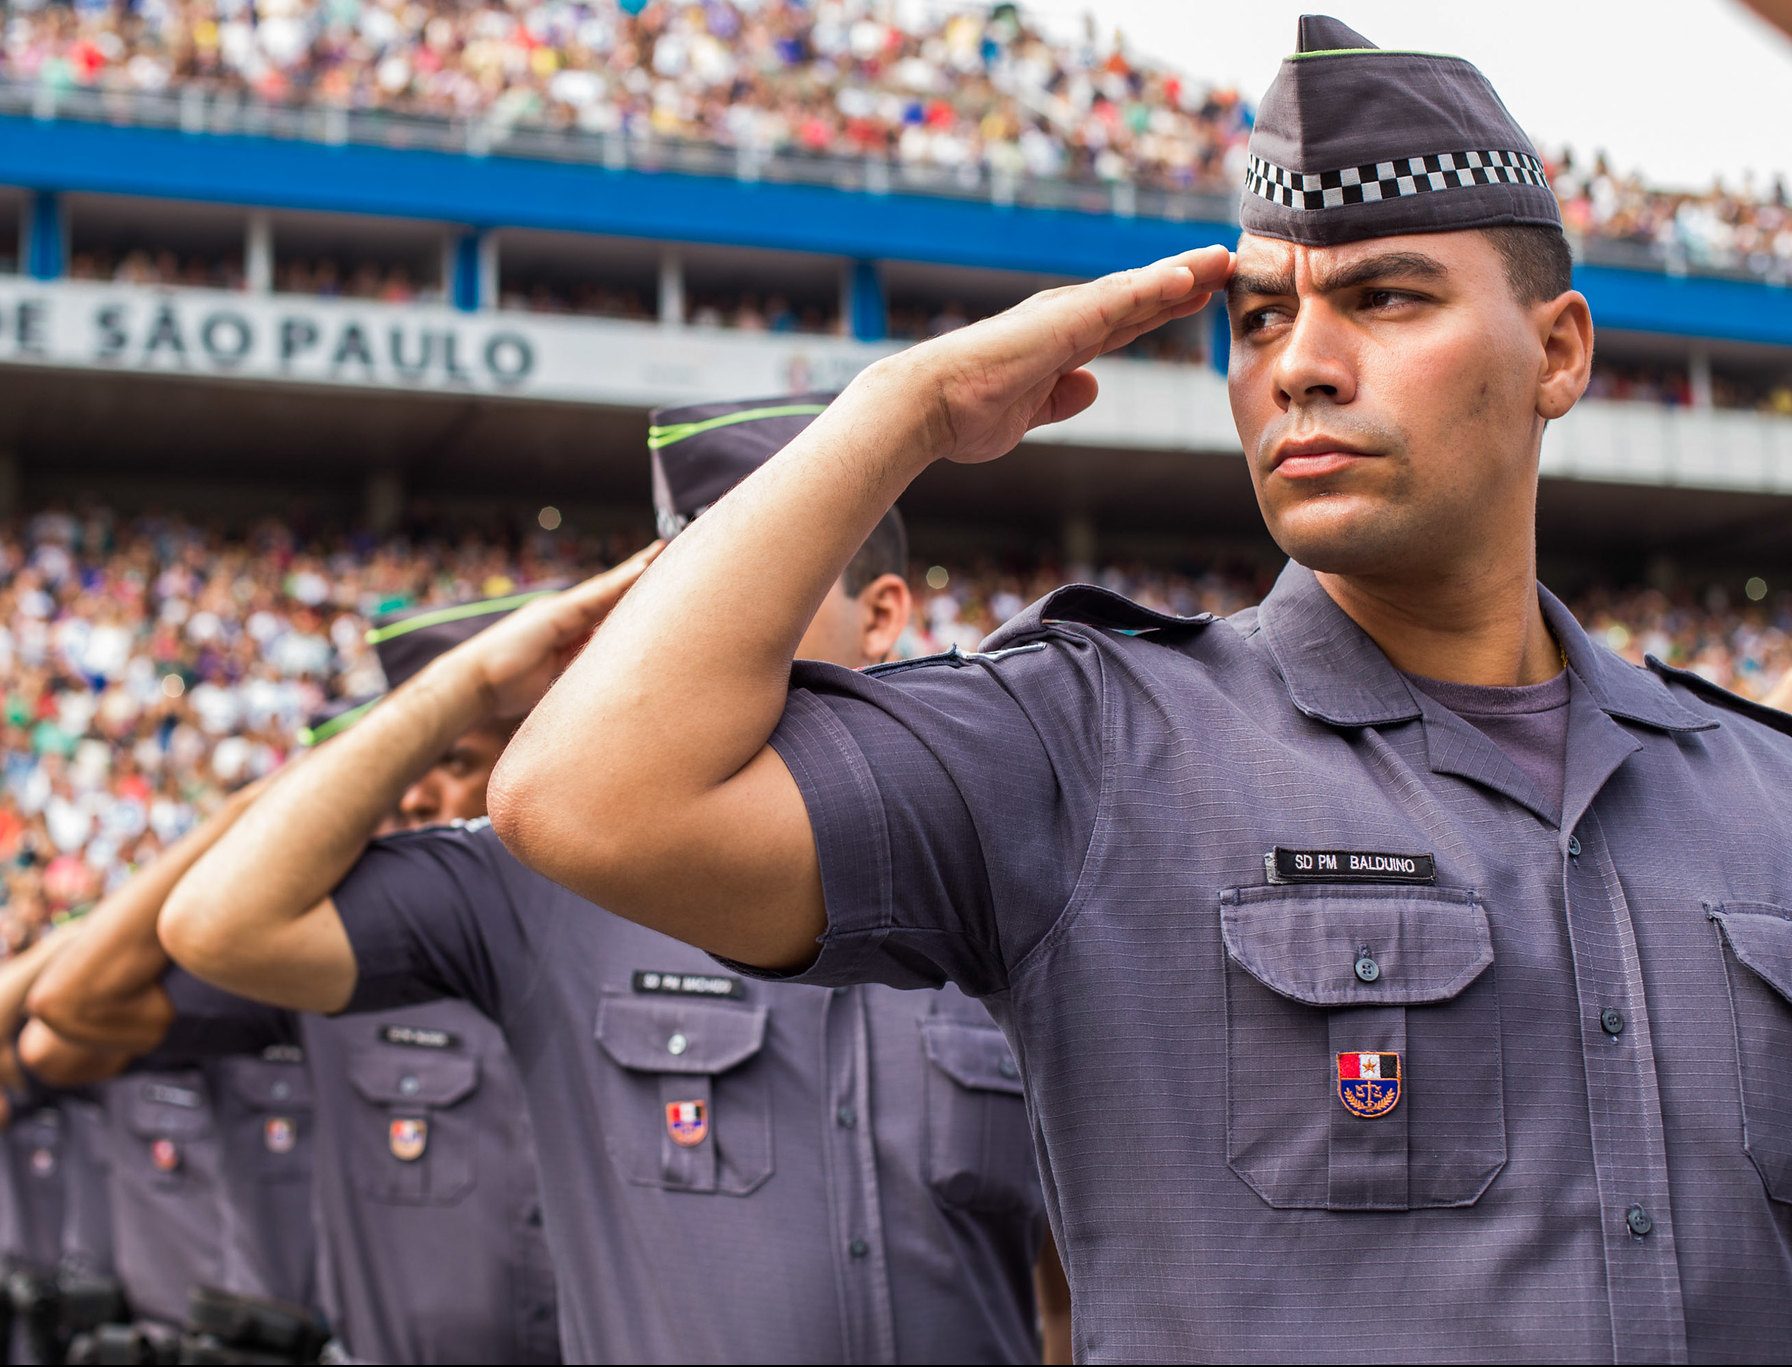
x=1758, y=938
x=170, y=1129
x=1392, y=981
x=979, y=1145
x=684, y=1106
x=417, y=1137
x=265, y=1109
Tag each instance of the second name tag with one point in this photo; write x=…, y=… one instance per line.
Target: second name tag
x=1348, y=866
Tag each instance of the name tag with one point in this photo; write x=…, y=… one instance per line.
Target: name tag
x=419, y=1037
x=172, y=1096
x=1348, y=866
x=688, y=985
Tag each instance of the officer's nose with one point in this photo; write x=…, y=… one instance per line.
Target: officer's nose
x=1315, y=363
x=421, y=804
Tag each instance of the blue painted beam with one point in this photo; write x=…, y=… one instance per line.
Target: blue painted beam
x=44, y=239
x=490, y=192
x=870, y=311
x=465, y=289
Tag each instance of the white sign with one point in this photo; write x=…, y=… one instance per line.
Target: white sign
x=425, y=347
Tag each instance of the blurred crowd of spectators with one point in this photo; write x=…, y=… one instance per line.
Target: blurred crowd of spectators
x=961, y=92
x=151, y=665
x=1748, y=228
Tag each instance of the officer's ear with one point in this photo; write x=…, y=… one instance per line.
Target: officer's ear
x=884, y=607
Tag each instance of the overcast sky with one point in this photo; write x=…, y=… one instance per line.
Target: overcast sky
x=1684, y=89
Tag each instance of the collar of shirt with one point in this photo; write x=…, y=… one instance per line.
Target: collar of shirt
x=1335, y=673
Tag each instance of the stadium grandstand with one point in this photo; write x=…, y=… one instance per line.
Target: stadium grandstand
x=309, y=311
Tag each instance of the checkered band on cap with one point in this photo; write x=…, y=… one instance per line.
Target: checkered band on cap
x=1396, y=179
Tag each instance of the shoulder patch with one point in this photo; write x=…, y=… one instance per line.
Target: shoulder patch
x=951, y=659
x=1092, y=606
x=1723, y=697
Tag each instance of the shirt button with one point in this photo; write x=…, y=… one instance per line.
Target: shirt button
x=534, y=1217
x=847, y=1117
x=841, y=991
x=1611, y=1020
x=677, y=1044
x=1574, y=847
x=1008, y=1068
x=1367, y=969
x=858, y=1248
x=1639, y=1221
x=408, y=1085
x=282, y=1090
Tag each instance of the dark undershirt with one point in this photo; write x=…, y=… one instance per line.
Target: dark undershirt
x=1528, y=721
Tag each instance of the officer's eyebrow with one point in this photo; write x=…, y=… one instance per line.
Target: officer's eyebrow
x=1366, y=270
x=1404, y=265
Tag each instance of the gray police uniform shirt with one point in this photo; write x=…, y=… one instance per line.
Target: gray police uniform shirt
x=87, y=1202
x=263, y=1107
x=35, y=1156
x=1342, y=1040
x=733, y=1172
x=427, y=1209
x=167, y=1206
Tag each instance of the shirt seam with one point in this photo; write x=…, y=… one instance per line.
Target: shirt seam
x=1097, y=826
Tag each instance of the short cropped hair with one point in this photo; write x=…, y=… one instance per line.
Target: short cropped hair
x=885, y=552
x=1538, y=263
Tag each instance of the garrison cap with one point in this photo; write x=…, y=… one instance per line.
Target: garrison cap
x=1353, y=141
x=407, y=641
x=701, y=451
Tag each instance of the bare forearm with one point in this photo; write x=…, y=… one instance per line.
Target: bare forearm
x=305, y=833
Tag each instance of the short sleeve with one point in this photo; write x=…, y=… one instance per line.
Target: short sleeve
x=212, y=1023
x=430, y=914
x=952, y=800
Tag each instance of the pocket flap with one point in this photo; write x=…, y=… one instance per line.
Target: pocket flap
x=173, y=1108
x=1428, y=944
x=678, y=1036
x=413, y=1077
x=264, y=1086
x=973, y=1056
x=1760, y=936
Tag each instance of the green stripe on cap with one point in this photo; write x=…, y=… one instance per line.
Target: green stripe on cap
x=316, y=735
x=454, y=614
x=661, y=437
x=1366, y=51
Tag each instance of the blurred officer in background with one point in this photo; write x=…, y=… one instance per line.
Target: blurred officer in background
x=734, y=1173
x=427, y=1202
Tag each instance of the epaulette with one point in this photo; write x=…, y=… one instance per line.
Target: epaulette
x=953, y=658
x=1723, y=697
x=1090, y=605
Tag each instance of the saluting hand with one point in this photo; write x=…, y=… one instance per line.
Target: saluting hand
x=993, y=382
x=517, y=659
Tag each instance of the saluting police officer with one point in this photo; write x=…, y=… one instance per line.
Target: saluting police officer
x=712, y=1149
x=1394, y=970
x=427, y=1210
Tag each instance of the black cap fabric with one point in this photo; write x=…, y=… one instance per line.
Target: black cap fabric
x=701, y=451
x=1352, y=141
x=334, y=718
x=407, y=641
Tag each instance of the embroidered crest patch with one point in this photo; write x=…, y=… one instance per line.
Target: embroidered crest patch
x=1369, y=1084
x=279, y=1134
x=687, y=1122
x=165, y=1155
x=408, y=1138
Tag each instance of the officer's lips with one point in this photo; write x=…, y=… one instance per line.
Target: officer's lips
x=1316, y=457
